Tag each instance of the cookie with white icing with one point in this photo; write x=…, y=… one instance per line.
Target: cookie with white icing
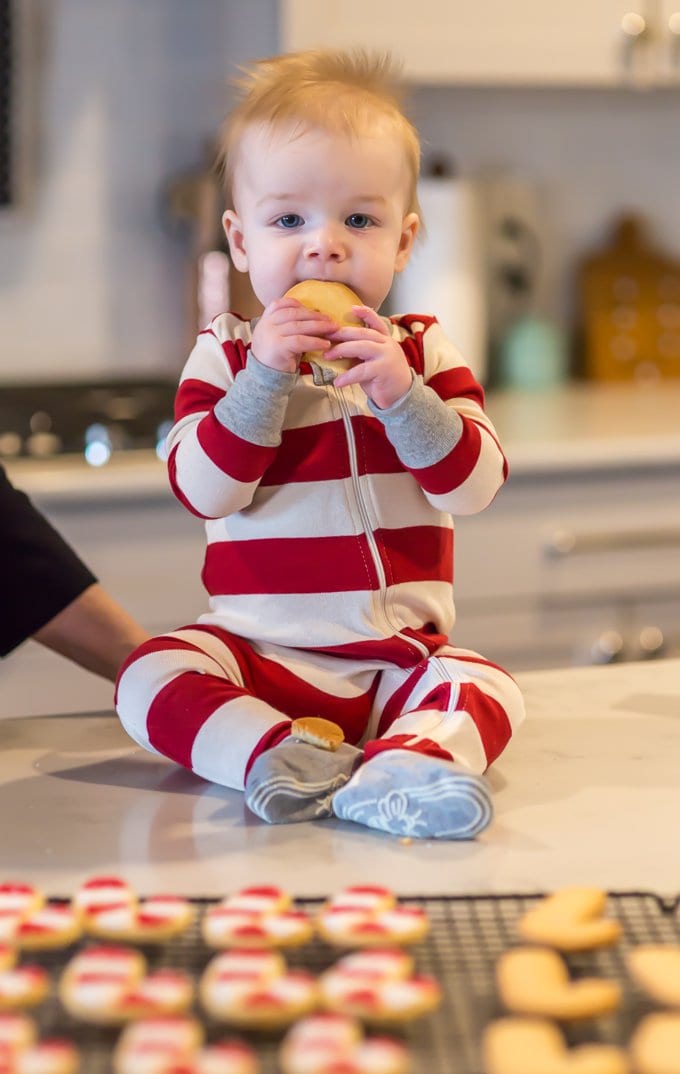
x=110, y=985
x=260, y=917
x=370, y=916
x=20, y=986
x=327, y=1043
x=255, y=989
x=379, y=987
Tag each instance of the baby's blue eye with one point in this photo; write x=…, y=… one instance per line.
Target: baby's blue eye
x=358, y=220
x=289, y=220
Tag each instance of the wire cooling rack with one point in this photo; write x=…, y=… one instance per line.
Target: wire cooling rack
x=467, y=936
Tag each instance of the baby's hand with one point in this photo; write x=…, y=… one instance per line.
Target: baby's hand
x=382, y=371
x=286, y=330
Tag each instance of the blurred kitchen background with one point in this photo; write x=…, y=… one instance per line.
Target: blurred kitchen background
x=550, y=193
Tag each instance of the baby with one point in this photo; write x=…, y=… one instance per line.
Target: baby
x=328, y=507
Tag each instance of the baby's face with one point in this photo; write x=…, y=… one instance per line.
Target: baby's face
x=320, y=206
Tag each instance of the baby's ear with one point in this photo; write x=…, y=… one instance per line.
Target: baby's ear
x=409, y=230
x=234, y=232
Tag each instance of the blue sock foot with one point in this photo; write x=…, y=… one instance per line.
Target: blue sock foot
x=409, y=793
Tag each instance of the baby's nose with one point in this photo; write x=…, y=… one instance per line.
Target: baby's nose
x=326, y=243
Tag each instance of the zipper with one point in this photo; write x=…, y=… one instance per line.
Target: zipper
x=368, y=529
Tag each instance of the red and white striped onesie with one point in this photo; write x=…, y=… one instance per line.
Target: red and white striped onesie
x=329, y=563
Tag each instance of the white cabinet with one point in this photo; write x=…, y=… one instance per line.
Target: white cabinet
x=562, y=42
x=572, y=568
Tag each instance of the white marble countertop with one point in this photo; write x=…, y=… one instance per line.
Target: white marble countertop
x=587, y=793
x=566, y=429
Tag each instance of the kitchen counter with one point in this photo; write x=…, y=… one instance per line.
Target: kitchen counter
x=570, y=428
x=587, y=793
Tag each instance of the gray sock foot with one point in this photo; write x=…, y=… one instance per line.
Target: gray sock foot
x=408, y=793
x=296, y=781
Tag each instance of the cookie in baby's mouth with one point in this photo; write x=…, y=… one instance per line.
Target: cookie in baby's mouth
x=336, y=300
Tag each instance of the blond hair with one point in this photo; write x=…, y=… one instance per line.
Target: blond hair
x=345, y=92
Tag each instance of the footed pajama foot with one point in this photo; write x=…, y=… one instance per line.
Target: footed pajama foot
x=409, y=793
x=296, y=781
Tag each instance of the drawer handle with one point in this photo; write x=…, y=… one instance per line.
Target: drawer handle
x=565, y=542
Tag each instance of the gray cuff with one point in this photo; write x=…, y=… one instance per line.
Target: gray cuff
x=421, y=428
x=255, y=405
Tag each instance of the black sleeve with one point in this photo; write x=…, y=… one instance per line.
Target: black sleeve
x=40, y=574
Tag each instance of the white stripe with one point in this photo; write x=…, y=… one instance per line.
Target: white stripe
x=320, y=509
x=213, y=492
x=306, y=620
x=223, y=745
x=145, y=677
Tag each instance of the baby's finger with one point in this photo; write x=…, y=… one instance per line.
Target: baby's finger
x=371, y=319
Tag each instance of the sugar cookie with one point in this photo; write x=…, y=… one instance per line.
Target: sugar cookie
x=20, y=986
x=655, y=1044
x=378, y=986
x=570, y=920
x=656, y=969
x=17, y=903
x=110, y=986
x=318, y=732
x=103, y=892
x=327, y=1043
x=154, y=920
x=256, y=917
x=172, y=1045
x=255, y=989
x=336, y=300
x=536, y=1046
x=55, y=924
x=370, y=917
x=535, y=980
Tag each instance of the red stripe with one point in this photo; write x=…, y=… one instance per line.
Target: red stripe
x=312, y=453
x=416, y=553
x=179, y=710
x=153, y=645
x=457, y=383
x=320, y=452
x=396, y=704
x=328, y=564
x=489, y=717
x=394, y=650
x=405, y=742
x=289, y=565
x=237, y=458
x=454, y=468
x=196, y=396
x=236, y=353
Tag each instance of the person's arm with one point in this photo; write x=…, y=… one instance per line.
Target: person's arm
x=93, y=631
x=48, y=593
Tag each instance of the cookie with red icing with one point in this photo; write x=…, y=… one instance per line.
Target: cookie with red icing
x=328, y=1043
x=172, y=1045
x=110, y=985
x=22, y=1052
x=369, y=916
x=20, y=986
x=378, y=986
x=255, y=989
x=112, y=911
x=258, y=917
x=28, y=922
